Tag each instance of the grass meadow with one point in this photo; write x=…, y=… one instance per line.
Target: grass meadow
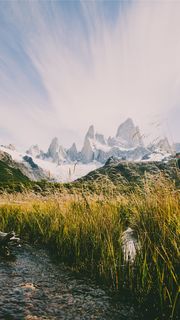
x=83, y=230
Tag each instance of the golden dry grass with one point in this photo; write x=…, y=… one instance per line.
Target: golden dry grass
x=84, y=231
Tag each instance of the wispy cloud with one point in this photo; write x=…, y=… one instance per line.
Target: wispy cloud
x=65, y=65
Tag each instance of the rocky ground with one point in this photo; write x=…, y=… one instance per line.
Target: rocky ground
x=34, y=287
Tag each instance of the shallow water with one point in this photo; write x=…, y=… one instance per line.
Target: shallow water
x=33, y=287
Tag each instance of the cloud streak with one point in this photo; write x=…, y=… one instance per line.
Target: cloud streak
x=65, y=66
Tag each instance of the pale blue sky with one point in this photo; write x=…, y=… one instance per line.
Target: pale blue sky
x=67, y=64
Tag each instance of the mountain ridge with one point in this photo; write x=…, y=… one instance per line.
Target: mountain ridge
x=60, y=164
x=126, y=144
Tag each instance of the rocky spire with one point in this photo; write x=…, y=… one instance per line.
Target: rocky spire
x=100, y=138
x=34, y=151
x=87, y=152
x=72, y=153
x=129, y=134
x=53, y=148
x=164, y=145
x=90, y=133
x=56, y=152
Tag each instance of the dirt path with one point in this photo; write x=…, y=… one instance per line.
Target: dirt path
x=33, y=287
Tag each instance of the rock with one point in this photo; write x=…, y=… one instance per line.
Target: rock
x=30, y=161
x=130, y=245
x=28, y=285
x=8, y=238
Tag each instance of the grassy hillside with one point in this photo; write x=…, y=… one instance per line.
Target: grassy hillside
x=13, y=178
x=10, y=176
x=126, y=172
x=113, y=178
x=118, y=176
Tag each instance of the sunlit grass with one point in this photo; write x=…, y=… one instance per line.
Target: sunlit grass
x=84, y=231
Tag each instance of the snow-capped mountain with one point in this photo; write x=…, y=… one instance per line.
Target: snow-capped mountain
x=127, y=144
x=128, y=135
x=63, y=164
x=35, y=151
x=37, y=169
x=72, y=153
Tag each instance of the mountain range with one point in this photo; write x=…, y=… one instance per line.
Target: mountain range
x=127, y=144
x=60, y=164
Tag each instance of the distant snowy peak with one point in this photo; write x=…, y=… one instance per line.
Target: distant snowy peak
x=100, y=138
x=9, y=147
x=90, y=134
x=72, y=152
x=127, y=144
x=125, y=128
x=53, y=148
x=34, y=151
x=56, y=152
x=94, y=145
x=164, y=145
x=128, y=135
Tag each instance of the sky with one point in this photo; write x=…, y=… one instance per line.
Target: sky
x=65, y=65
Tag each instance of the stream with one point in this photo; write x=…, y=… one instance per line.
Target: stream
x=33, y=287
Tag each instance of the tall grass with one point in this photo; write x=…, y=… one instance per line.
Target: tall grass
x=84, y=231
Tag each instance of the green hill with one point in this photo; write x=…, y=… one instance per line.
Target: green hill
x=10, y=176
x=116, y=175
x=125, y=175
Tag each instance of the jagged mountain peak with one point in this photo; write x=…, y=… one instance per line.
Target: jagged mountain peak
x=72, y=153
x=127, y=144
x=125, y=128
x=100, y=138
x=90, y=133
x=164, y=145
x=54, y=146
x=127, y=125
x=73, y=147
x=55, y=141
x=128, y=134
x=56, y=152
x=34, y=151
